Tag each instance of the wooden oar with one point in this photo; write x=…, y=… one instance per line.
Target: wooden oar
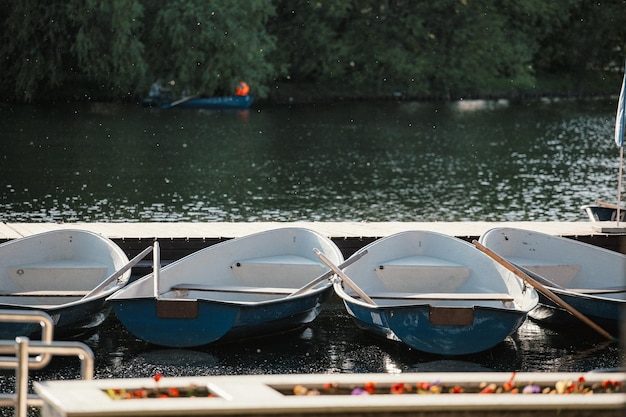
x=180, y=101
x=118, y=273
x=542, y=289
x=607, y=205
x=346, y=279
x=326, y=275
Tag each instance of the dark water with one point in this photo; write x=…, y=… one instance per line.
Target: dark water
x=471, y=160
x=332, y=344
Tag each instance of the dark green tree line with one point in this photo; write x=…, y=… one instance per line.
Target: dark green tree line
x=113, y=50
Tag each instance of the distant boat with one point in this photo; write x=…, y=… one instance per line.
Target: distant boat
x=250, y=286
x=435, y=293
x=603, y=212
x=65, y=273
x=590, y=279
x=195, y=102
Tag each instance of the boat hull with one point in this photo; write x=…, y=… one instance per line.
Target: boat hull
x=606, y=313
x=413, y=326
x=228, y=102
x=69, y=322
x=216, y=321
x=211, y=103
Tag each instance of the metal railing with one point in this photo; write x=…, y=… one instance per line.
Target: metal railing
x=27, y=355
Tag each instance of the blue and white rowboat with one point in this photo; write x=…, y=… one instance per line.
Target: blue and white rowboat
x=434, y=293
x=65, y=273
x=589, y=278
x=251, y=286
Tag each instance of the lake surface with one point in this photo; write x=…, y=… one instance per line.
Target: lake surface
x=464, y=161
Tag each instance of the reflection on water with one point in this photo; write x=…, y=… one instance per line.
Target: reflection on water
x=471, y=160
x=332, y=344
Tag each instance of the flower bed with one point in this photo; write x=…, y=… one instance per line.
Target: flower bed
x=342, y=395
x=189, y=391
x=579, y=386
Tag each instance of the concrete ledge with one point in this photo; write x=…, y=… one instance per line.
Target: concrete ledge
x=264, y=395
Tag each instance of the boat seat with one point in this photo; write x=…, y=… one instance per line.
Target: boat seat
x=422, y=273
x=277, y=271
x=57, y=274
x=560, y=274
x=234, y=288
x=444, y=296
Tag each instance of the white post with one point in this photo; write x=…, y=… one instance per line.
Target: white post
x=156, y=268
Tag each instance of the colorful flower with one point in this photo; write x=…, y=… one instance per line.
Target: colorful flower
x=370, y=387
x=531, y=389
x=457, y=389
x=300, y=390
x=397, y=388
x=489, y=389
x=359, y=391
x=510, y=384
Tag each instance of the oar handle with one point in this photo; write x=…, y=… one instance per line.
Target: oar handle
x=326, y=275
x=545, y=291
x=118, y=273
x=607, y=205
x=344, y=277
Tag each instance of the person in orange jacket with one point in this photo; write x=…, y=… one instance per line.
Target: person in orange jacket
x=242, y=89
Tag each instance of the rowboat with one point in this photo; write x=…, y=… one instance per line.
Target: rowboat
x=603, y=212
x=250, y=286
x=434, y=293
x=588, y=278
x=67, y=274
x=227, y=102
x=194, y=102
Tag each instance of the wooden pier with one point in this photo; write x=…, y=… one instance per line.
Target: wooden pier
x=179, y=239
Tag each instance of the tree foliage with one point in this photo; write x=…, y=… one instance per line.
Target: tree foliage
x=107, y=48
x=208, y=46
x=591, y=36
x=90, y=49
x=88, y=45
